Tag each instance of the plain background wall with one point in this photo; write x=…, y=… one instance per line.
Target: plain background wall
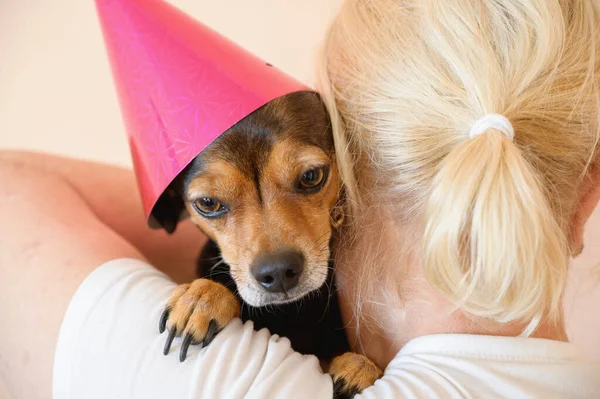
x=56, y=94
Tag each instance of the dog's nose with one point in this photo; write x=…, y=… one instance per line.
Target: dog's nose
x=278, y=272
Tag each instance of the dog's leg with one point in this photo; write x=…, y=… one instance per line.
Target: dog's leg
x=197, y=311
x=210, y=255
x=351, y=374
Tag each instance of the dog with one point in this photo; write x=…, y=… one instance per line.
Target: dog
x=268, y=195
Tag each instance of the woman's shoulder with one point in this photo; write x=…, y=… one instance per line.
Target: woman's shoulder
x=461, y=365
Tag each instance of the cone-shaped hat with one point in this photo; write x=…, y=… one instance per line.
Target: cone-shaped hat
x=180, y=85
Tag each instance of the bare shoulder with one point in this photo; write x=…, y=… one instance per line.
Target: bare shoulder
x=111, y=193
x=51, y=241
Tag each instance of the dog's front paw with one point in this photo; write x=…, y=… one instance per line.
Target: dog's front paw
x=197, y=311
x=351, y=373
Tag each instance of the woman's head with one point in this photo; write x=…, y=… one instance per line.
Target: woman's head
x=407, y=80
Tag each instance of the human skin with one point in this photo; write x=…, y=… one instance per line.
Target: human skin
x=61, y=219
x=415, y=309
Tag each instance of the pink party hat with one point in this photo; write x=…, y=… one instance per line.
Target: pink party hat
x=180, y=86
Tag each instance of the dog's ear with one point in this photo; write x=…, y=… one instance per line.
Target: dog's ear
x=338, y=212
x=337, y=216
x=168, y=210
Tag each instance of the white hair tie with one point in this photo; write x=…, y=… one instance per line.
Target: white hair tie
x=492, y=121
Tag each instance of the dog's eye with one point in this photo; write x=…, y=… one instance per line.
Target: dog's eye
x=312, y=179
x=209, y=207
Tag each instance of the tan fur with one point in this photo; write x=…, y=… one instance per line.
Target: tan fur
x=194, y=305
x=284, y=219
x=356, y=370
x=256, y=179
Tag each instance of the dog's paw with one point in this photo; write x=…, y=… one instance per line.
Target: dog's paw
x=351, y=374
x=197, y=311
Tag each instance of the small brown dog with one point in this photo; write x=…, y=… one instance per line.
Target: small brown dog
x=267, y=194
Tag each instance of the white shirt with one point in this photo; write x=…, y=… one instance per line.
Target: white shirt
x=109, y=347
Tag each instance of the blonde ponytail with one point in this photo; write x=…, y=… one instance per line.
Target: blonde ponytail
x=405, y=80
x=491, y=243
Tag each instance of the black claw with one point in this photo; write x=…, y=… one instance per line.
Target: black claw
x=341, y=390
x=162, y=324
x=338, y=388
x=170, y=338
x=184, y=347
x=213, y=329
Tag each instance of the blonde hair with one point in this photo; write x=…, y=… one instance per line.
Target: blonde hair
x=405, y=80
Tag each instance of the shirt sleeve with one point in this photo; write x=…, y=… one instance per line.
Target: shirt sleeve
x=109, y=347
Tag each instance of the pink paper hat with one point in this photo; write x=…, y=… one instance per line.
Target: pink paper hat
x=180, y=86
